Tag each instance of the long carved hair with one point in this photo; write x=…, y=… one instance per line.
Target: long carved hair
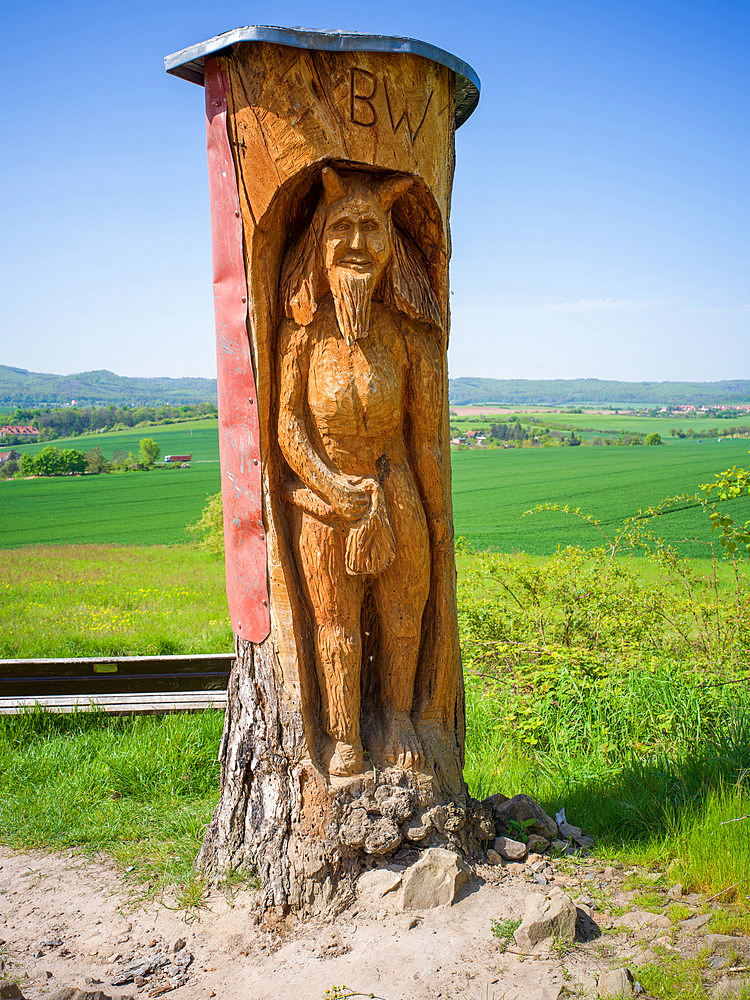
x=405, y=284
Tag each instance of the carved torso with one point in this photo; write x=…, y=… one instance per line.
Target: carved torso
x=355, y=394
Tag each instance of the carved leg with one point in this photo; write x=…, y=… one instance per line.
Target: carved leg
x=335, y=601
x=400, y=594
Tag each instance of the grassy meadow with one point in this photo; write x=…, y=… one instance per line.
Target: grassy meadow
x=92, y=600
x=602, y=424
x=133, y=508
x=616, y=687
x=199, y=438
x=492, y=489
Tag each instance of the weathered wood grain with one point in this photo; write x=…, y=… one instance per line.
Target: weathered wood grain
x=362, y=663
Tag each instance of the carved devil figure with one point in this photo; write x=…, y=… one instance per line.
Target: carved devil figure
x=359, y=406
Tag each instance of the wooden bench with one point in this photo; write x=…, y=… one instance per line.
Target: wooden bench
x=118, y=685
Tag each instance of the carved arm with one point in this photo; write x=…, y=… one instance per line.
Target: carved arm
x=347, y=499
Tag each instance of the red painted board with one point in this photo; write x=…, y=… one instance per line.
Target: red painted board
x=239, y=429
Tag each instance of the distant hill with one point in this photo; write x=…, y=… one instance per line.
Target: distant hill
x=552, y=392
x=19, y=387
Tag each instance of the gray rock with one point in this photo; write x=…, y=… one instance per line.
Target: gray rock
x=511, y=850
x=354, y=831
x=377, y=883
x=183, y=960
x=138, y=970
x=572, y=833
x=521, y=809
x=721, y=942
x=558, y=846
x=11, y=991
x=394, y=802
x=537, y=844
x=636, y=919
x=495, y=801
x=70, y=993
x=587, y=928
x=730, y=987
x=552, y=916
x=383, y=837
x=434, y=880
x=718, y=961
x=618, y=983
x=695, y=923
x=675, y=891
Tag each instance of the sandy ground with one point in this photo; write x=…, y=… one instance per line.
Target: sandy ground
x=70, y=921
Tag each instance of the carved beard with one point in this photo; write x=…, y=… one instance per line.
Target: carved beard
x=352, y=299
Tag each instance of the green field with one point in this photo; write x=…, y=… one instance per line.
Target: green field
x=615, y=689
x=132, y=508
x=491, y=489
x=199, y=438
x=603, y=424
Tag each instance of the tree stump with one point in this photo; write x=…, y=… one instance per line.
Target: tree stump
x=330, y=167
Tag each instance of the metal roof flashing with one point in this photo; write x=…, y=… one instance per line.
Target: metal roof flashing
x=188, y=63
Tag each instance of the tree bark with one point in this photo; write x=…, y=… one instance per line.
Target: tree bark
x=283, y=813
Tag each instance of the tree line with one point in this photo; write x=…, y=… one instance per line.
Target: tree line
x=71, y=421
x=52, y=461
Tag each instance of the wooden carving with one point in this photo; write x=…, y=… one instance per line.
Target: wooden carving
x=359, y=411
x=344, y=727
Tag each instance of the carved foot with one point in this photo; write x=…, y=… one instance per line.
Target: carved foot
x=346, y=759
x=401, y=746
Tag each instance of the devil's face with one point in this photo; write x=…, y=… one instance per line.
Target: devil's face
x=356, y=237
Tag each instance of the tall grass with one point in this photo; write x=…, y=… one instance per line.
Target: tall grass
x=616, y=688
x=91, y=600
x=619, y=693
x=141, y=788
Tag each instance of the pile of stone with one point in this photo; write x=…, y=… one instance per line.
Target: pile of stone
x=523, y=828
x=163, y=970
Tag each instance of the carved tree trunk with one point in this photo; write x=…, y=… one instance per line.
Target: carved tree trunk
x=290, y=113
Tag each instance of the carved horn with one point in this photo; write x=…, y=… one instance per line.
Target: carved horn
x=333, y=185
x=391, y=190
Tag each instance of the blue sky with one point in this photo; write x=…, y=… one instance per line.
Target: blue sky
x=601, y=211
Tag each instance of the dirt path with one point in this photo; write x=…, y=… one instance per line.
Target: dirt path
x=69, y=921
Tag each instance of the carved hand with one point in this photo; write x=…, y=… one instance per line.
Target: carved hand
x=351, y=496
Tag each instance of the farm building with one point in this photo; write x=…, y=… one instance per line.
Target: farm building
x=19, y=430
